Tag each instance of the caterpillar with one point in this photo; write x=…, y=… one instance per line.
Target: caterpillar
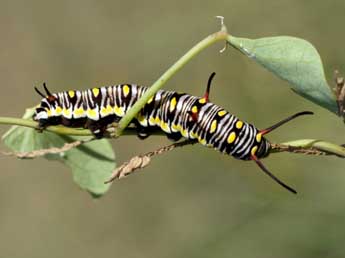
x=177, y=114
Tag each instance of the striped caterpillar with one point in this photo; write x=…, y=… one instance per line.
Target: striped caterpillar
x=177, y=114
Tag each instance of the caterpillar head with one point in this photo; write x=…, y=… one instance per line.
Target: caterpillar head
x=264, y=148
x=43, y=111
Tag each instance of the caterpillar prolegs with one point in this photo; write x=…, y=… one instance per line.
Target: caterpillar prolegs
x=177, y=114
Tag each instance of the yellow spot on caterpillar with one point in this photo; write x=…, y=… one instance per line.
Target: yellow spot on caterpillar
x=152, y=120
x=104, y=111
x=58, y=110
x=95, y=92
x=79, y=112
x=195, y=109
x=142, y=120
x=202, y=141
x=258, y=137
x=221, y=113
x=239, y=124
x=213, y=126
x=66, y=112
x=109, y=109
x=49, y=112
x=150, y=100
x=125, y=90
x=202, y=101
x=174, y=128
x=184, y=132
x=232, y=137
x=254, y=149
x=71, y=93
x=172, y=104
x=140, y=117
x=193, y=135
x=91, y=113
x=157, y=120
x=165, y=127
x=119, y=111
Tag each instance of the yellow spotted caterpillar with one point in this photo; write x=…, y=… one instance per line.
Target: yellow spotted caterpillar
x=177, y=114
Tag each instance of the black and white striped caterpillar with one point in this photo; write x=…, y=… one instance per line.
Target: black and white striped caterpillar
x=177, y=114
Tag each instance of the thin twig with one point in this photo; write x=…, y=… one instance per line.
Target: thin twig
x=141, y=161
x=42, y=152
x=293, y=149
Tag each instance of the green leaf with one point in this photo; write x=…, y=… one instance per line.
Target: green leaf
x=91, y=163
x=294, y=60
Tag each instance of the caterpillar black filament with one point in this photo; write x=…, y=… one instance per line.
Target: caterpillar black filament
x=177, y=114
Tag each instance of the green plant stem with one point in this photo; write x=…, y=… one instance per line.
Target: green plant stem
x=62, y=130
x=208, y=41
x=53, y=129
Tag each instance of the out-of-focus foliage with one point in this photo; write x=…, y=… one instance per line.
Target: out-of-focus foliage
x=192, y=202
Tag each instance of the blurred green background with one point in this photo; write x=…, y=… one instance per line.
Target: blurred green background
x=192, y=202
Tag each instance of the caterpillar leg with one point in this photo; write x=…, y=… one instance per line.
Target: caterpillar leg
x=99, y=127
x=96, y=128
x=143, y=132
x=44, y=123
x=41, y=126
x=174, y=136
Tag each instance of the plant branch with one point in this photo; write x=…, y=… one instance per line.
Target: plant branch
x=42, y=152
x=141, y=161
x=296, y=149
x=54, y=129
x=62, y=130
x=208, y=41
x=309, y=147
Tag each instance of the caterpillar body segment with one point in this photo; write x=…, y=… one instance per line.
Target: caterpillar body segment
x=177, y=114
